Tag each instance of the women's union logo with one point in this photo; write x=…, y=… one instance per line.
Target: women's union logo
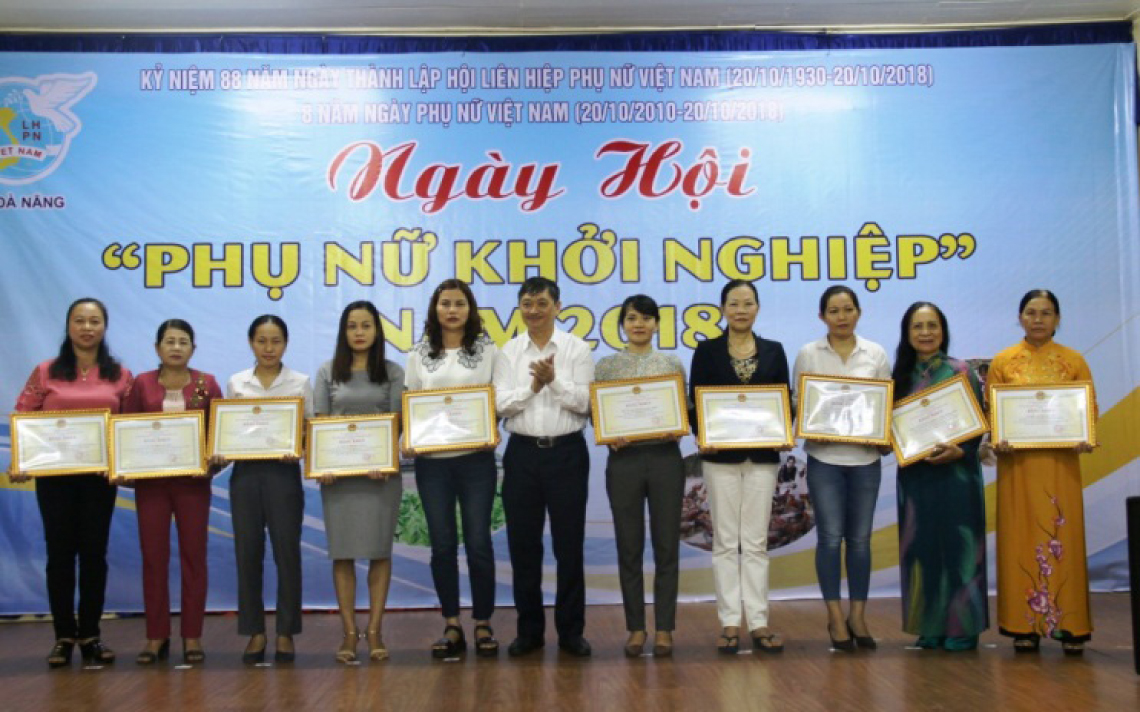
x=37, y=124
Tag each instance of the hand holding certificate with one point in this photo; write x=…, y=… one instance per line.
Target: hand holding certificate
x=150, y=445
x=450, y=419
x=639, y=409
x=1043, y=415
x=944, y=414
x=256, y=428
x=839, y=409
x=352, y=445
x=59, y=442
x=736, y=417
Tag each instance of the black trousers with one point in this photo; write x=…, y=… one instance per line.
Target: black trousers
x=536, y=482
x=76, y=512
x=653, y=473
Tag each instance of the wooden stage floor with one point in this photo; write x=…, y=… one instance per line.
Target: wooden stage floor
x=806, y=677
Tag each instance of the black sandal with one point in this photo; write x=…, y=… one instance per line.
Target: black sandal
x=60, y=654
x=767, y=643
x=93, y=651
x=1026, y=643
x=730, y=646
x=485, y=645
x=445, y=647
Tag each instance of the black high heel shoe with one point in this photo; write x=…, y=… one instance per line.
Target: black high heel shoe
x=448, y=647
x=148, y=657
x=284, y=656
x=846, y=646
x=192, y=656
x=60, y=654
x=93, y=651
x=863, y=641
x=254, y=657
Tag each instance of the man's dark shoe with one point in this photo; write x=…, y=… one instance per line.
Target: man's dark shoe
x=524, y=645
x=577, y=646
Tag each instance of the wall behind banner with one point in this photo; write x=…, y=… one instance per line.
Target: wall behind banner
x=216, y=187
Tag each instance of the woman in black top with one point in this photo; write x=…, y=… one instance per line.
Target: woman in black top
x=740, y=483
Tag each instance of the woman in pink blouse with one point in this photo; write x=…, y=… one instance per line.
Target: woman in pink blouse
x=174, y=387
x=76, y=509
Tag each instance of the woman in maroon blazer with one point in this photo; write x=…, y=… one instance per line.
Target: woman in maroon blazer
x=174, y=387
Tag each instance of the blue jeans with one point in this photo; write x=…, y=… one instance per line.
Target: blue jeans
x=470, y=481
x=843, y=497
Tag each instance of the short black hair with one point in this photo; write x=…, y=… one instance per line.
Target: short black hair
x=179, y=324
x=838, y=289
x=641, y=304
x=733, y=284
x=537, y=285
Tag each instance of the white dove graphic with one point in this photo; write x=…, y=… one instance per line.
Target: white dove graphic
x=54, y=97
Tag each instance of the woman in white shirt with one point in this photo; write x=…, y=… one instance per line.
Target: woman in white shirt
x=267, y=495
x=843, y=478
x=456, y=352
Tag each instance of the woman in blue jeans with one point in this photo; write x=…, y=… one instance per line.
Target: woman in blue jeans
x=456, y=352
x=843, y=478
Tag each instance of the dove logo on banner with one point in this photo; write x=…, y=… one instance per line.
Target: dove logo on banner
x=37, y=123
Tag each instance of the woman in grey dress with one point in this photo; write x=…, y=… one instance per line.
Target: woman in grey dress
x=360, y=512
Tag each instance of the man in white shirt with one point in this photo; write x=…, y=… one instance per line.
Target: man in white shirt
x=542, y=390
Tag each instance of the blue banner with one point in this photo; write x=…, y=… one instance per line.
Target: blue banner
x=216, y=187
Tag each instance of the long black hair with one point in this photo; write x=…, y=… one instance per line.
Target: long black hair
x=342, y=357
x=433, y=330
x=65, y=368
x=906, y=356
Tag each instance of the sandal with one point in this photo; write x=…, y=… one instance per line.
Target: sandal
x=767, y=642
x=150, y=657
x=1026, y=643
x=1072, y=648
x=485, y=644
x=447, y=647
x=376, y=649
x=192, y=653
x=730, y=646
x=60, y=654
x=347, y=652
x=93, y=651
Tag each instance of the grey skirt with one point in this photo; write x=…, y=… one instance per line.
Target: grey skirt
x=360, y=516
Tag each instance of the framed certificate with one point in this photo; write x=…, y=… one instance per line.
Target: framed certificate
x=735, y=417
x=847, y=410
x=149, y=445
x=444, y=419
x=345, y=446
x=59, y=442
x=256, y=428
x=639, y=408
x=945, y=413
x=1043, y=415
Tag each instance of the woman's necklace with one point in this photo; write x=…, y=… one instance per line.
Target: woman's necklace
x=742, y=351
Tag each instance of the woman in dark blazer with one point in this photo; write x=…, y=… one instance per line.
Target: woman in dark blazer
x=740, y=483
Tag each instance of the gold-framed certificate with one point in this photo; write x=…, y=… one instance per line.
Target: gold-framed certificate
x=639, y=408
x=735, y=417
x=1058, y=415
x=345, y=446
x=843, y=409
x=59, y=442
x=946, y=413
x=150, y=445
x=256, y=428
x=442, y=419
